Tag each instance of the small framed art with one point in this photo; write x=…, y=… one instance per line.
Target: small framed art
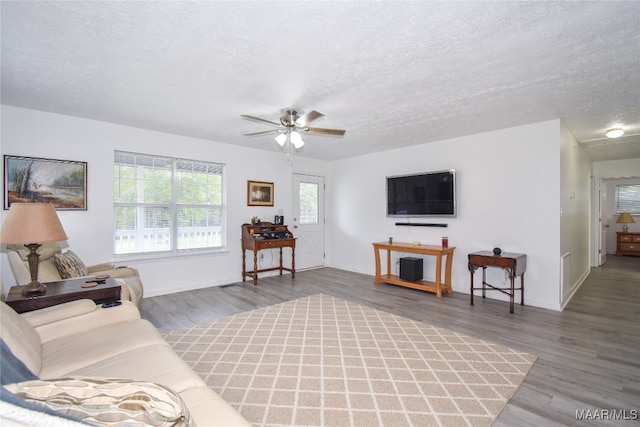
x=62, y=183
x=259, y=193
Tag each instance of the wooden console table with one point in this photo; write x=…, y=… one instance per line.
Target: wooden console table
x=628, y=244
x=515, y=264
x=63, y=291
x=266, y=236
x=436, y=286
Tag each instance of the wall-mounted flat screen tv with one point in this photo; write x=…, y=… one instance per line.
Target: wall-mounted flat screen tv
x=422, y=194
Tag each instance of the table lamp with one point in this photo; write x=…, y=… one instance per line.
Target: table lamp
x=625, y=218
x=31, y=224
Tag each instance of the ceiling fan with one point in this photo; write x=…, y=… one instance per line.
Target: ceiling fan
x=291, y=125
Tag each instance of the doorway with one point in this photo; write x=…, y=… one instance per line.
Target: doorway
x=308, y=220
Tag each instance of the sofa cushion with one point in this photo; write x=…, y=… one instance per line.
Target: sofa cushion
x=70, y=265
x=63, y=355
x=107, y=402
x=157, y=363
x=21, y=338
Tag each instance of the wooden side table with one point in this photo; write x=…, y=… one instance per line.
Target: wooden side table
x=515, y=264
x=63, y=291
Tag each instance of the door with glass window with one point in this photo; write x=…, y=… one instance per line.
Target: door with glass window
x=307, y=223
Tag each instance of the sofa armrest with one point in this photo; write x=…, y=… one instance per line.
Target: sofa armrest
x=77, y=316
x=59, y=312
x=101, y=267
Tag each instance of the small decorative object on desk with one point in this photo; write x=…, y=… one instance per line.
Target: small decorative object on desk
x=255, y=221
x=445, y=242
x=497, y=251
x=390, y=240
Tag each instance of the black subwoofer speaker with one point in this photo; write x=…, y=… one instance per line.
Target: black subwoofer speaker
x=411, y=269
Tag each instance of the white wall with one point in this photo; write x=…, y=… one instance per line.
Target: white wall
x=628, y=168
x=508, y=195
x=575, y=204
x=39, y=134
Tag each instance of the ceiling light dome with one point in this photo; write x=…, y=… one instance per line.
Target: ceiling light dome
x=614, y=133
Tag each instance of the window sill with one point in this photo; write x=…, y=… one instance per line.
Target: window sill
x=168, y=255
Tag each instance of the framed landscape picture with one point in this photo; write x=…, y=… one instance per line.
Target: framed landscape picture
x=259, y=193
x=62, y=183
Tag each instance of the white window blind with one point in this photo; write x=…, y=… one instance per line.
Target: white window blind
x=628, y=199
x=163, y=204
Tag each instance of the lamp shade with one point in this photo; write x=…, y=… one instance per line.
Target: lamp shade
x=625, y=218
x=296, y=140
x=31, y=223
x=281, y=139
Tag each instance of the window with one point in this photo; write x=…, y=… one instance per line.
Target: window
x=162, y=204
x=628, y=199
x=308, y=203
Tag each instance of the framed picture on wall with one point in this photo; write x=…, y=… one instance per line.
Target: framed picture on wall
x=62, y=183
x=259, y=193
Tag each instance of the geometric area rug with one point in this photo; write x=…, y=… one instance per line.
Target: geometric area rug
x=323, y=361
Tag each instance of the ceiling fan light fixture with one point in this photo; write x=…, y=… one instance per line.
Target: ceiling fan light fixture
x=297, y=140
x=281, y=139
x=614, y=133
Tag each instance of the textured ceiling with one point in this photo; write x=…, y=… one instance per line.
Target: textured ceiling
x=392, y=73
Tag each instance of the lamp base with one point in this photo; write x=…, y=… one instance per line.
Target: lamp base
x=34, y=289
x=625, y=228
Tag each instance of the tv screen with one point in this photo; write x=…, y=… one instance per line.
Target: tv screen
x=422, y=194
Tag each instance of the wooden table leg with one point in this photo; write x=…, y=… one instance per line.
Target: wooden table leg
x=447, y=274
x=522, y=289
x=377, y=278
x=388, y=261
x=439, y=276
x=255, y=267
x=484, y=280
x=513, y=291
x=281, y=260
x=471, y=271
x=244, y=266
x=293, y=262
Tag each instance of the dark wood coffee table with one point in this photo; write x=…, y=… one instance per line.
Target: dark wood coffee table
x=63, y=291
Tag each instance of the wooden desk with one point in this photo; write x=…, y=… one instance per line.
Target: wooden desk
x=63, y=291
x=515, y=264
x=436, y=286
x=266, y=236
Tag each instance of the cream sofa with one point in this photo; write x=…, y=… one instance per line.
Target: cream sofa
x=48, y=271
x=82, y=339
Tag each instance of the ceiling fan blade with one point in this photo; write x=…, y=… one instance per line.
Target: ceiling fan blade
x=324, y=131
x=307, y=118
x=258, y=119
x=264, y=132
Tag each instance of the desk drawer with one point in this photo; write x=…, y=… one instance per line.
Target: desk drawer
x=630, y=246
x=626, y=238
x=491, y=261
x=271, y=244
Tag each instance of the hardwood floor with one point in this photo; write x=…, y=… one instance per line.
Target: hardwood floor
x=588, y=355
